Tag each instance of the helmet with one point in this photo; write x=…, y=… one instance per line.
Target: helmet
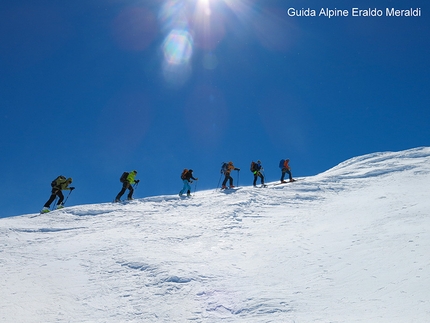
x=190, y=170
x=135, y=171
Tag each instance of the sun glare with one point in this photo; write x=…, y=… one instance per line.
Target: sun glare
x=198, y=26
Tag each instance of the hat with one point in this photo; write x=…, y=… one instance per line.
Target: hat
x=190, y=170
x=135, y=171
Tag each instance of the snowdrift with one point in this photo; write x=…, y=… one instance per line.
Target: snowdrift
x=348, y=245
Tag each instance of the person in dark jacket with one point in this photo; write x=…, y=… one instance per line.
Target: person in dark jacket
x=58, y=185
x=257, y=171
x=187, y=177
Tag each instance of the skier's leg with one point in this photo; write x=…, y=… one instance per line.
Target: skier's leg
x=121, y=193
x=130, y=193
x=60, y=197
x=50, y=200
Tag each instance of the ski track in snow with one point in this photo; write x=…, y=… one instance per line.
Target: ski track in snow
x=348, y=245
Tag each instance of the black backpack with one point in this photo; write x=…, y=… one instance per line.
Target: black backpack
x=253, y=167
x=123, y=177
x=54, y=182
x=224, y=167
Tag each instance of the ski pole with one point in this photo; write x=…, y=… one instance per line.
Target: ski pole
x=238, y=177
x=55, y=203
x=195, y=187
x=67, y=197
x=219, y=181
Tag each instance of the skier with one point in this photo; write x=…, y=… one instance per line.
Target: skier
x=127, y=183
x=286, y=169
x=226, y=170
x=58, y=185
x=187, y=176
x=256, y=169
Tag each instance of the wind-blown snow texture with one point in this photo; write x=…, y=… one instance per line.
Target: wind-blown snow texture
x=348, y=245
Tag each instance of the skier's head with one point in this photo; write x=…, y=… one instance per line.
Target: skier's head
x=134, y=172
x=190, y=170
x=69, y=180
x=230, y=163
x=258, y=161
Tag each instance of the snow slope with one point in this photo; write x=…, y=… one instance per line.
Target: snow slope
x=348, y=245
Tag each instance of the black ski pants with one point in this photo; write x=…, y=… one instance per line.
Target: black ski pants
x=258, y=174
x=284, y=171
x=228, y=178
x=125, y=185
x=54, y=193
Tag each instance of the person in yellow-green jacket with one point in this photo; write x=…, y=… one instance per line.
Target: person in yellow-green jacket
x=58, y=185
x=127, y=180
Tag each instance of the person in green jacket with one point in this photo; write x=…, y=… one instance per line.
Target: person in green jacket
x=58, y=185
x=127, y=184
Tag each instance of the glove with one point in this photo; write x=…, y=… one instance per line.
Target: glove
x=137, y=181
x=71, y=188
x=238, y=169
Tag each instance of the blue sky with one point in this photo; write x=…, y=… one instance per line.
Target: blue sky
x=90, y=89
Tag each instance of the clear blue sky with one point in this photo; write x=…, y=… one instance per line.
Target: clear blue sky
x=90, y=89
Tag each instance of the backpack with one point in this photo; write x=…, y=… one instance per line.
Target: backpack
x=55, y=181
x=253, y=167
x=123, y=177
x=281, y=163
x=224, y=167
x=184, y=174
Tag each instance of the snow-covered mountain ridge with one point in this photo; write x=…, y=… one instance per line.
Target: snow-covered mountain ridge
x=348, y=245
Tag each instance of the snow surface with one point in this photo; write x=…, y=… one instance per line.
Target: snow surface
x=349, y=245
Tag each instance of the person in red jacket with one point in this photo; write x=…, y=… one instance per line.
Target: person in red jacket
x=286, y=169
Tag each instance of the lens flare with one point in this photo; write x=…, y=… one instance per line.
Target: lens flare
x=172, y=15
x=178, y=47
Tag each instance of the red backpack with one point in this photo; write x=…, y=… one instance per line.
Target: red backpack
x=184, y=174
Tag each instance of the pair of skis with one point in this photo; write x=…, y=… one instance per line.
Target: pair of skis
x=281, y=183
